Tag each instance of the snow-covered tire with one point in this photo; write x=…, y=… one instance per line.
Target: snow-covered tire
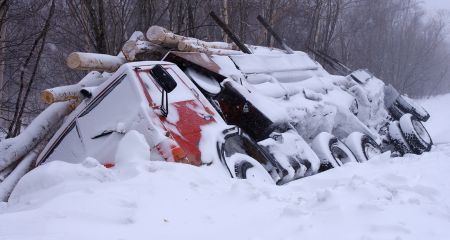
x=301, y=167
x=331, y=151
x=395, y=111
x=235, y=147
x=407, y=105
x=415, y=134
x=245, y=168
x=397, y=139
x=363, y=146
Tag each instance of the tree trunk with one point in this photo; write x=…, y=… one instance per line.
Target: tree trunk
x=4, y=6
x=15, y=126
x=225, y=19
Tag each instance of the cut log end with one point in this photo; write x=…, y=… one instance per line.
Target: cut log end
x=73, y=61
x=94, y=61
x=47, y=97
x=156, y=34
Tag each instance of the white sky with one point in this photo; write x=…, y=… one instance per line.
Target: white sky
x=436, y=4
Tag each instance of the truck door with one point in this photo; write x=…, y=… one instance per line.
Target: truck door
x=188, y=111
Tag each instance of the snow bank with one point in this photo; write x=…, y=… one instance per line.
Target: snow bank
x=439, y=123
x=400, y=198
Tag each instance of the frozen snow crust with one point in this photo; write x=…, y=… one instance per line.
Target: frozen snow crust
x=384, y=198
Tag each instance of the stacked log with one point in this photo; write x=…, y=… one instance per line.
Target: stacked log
x=64, y=93
x=184, y=45
x=13, y=149
x=163, y=37
x=94, y=61
x=142, y=50
x=190, y=46
x=25, y=165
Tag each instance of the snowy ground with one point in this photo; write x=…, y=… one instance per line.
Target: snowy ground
x=402, y=198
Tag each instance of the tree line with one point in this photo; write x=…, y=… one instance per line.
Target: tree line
x=397, y=40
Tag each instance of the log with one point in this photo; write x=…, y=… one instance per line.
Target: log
x=64, y=93
x=5, y=172
x=60, y=94
x=189, y=46
x=7, y=186
x=161, y=36
x=142, y=50
x=46, y=123
x=185, y=44
x=137, y=35
x=94, y=61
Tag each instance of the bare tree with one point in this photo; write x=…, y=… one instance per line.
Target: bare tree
x=25, y=87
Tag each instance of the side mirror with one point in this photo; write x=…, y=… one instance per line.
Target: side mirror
x=163, y=78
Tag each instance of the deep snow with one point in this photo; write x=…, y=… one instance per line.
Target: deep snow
x=400, y=198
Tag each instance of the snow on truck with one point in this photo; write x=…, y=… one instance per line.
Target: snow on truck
x=270, y=114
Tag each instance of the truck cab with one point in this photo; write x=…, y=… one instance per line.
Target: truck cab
x=132, y=99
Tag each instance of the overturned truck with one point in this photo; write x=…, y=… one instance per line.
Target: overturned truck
x=264, y=113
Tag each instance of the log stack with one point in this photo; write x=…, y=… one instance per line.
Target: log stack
x=154, y=47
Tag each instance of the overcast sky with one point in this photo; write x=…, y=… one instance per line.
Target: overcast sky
x=437, y=4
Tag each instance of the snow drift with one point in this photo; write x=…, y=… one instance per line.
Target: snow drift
x=385, y=198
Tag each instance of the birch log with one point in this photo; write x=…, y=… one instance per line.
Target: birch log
x=13, y=149
x=94, y=61
x=190, y=46
x=184, y=45
x=64, y=93
x=7, y=186
x=133, y=49
x=161, y=36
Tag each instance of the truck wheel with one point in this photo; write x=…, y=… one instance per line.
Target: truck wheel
x=362, y=146
x=397, y=139
x=415, y=134
x=408, y=105
x=331, y=151
x=395, y=111
x=243, y=157
x=253, y=171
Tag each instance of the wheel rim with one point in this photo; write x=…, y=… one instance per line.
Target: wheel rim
x=421, y=131
x=338, y=154
x=255, y=174
x=371, y=151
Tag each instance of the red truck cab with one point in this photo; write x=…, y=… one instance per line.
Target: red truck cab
x=132, y=99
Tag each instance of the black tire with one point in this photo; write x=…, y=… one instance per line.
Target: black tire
x=236, y=142
x=363, y=146
x=244, y=169
x=397, y=139
x=301, y=167
x=395, y=111
x=416, y=135
x=408, y=105
x=331, y=151
x=241, y=168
